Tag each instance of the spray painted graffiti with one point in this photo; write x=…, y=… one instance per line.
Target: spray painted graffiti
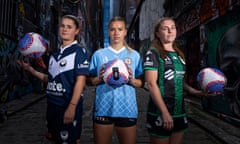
x=229, y=62
x=14, y=81
x=203, y=11
x=45, y=17
x=223, y=36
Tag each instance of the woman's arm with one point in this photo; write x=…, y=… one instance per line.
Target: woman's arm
x=151, y=80
x=77, y=91
x=196, y=92
x=192, y=90
x=43, y=77
x=136, y=82
x=97, y=79
x=94, y=80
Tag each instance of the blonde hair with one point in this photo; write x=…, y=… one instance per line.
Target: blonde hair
x=118, y=18
x=156, y=42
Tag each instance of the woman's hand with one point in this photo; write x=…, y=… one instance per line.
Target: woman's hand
x=69, y=114
x=97, y=79
x=43, y=77
x=167, y=121
x=210, y=94
x=130, y=77
x=24, y=65
x=196, y=92
x=136, y=82
x=202, y=93
x=101, y=73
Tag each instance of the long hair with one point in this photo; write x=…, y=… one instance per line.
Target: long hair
x=118, y=18
x=156, y=42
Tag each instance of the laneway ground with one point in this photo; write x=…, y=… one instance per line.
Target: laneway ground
x=195, y=135
x=28, y=125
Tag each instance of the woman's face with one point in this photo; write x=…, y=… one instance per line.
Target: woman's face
x=68, y=29
x=167, y=31
x=117, y=32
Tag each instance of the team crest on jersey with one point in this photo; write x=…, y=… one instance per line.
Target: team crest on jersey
x=63, y=63
x=128, y=61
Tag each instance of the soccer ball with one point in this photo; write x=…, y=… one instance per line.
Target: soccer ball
x=32, y=45
x=211, y=80
x=116, y=73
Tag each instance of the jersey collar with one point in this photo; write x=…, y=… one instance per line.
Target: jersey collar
x=67, y=46
x=117, y=51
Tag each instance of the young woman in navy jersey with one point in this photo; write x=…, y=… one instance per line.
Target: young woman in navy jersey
x=67, y=70
x=115, y=108
x=164, y=68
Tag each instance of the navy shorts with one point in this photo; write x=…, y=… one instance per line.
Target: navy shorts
x=155, y=126
x=119, y=122
x=64, y=132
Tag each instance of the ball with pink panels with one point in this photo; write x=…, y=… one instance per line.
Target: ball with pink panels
x=116, y=73
x=211, y=80
x=32, y=45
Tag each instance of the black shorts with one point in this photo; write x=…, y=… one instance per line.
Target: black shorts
x=155, y=126
x=119, y=122
x=64, y=132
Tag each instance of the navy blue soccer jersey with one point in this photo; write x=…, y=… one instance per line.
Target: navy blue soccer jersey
x=64, y=66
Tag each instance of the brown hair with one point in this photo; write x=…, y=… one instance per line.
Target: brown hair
x=118, y=18
x=158, y=44
x=76, y=23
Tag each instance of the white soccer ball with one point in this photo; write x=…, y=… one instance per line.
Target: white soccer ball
x=116, y=73
x=32, y=45
x=211, y=80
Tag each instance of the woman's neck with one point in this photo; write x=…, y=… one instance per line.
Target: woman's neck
x=65, y=43
x=168, y=47
x=117, y=46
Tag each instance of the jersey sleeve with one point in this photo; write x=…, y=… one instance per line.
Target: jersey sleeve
x=150, y=60
x=93, y=69
x=82, y=62
x=139, y=67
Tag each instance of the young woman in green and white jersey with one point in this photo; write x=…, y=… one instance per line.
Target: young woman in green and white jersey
x=164, y=67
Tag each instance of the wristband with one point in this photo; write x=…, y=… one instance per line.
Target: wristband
x=73, y=104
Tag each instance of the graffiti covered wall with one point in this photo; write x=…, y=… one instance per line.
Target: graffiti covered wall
x=14, y=81
x=216, y=26
x=224, y=52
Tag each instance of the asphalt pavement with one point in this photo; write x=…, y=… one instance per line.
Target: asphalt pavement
x=26, y=123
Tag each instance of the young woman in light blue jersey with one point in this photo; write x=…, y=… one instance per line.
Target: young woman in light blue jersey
x=67, y=71
x=115, y=108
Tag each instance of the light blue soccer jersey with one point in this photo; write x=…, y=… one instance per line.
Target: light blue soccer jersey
x=116, y=101
x=64, y=66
